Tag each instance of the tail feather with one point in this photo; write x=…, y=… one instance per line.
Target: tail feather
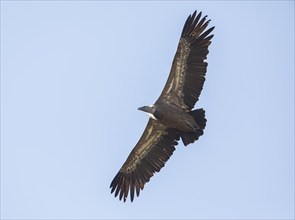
x=191, y=137
x=199, y=116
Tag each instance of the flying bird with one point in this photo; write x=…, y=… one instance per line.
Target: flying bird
x=172, y=116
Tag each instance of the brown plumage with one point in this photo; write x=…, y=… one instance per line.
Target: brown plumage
x=172, y=114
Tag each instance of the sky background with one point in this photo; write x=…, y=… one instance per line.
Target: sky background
x=73, y=74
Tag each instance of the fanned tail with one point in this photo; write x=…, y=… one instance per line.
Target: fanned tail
x=190, y=137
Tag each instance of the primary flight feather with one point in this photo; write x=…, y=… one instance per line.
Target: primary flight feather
x=172, y=116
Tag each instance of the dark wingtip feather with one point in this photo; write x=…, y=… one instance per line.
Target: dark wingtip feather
x=206, y=33
x=194, y=14
x=114, y=183
x=117, y=191
x=209, y=37
x=131, y=193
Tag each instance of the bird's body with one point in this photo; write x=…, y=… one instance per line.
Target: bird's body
x=172, y=115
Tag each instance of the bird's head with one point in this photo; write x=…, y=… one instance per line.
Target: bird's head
x=151, y=110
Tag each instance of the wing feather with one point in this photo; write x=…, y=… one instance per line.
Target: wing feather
x=150, y=154
x=187, y=75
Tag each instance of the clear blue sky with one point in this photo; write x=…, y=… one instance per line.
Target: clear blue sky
x=73, y=74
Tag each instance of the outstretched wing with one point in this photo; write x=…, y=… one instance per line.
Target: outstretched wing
x=187, y=75
x=150, y=154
